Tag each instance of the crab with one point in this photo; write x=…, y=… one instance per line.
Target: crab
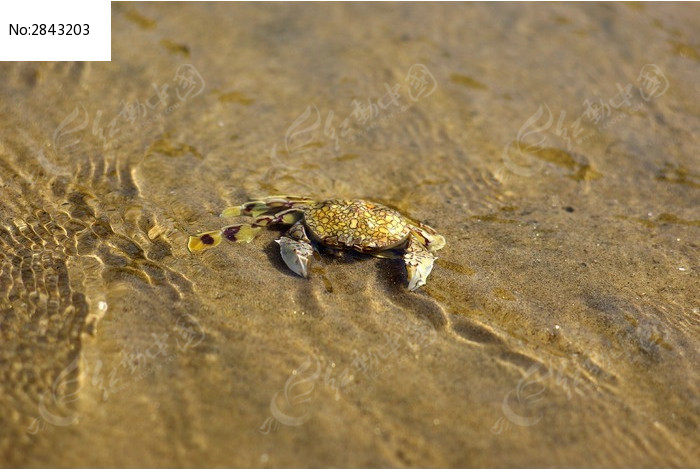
x=336, y=225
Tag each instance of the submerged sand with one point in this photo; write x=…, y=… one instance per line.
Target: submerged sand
x=554, y=147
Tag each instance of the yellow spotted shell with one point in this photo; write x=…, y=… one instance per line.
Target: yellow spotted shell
x=356, y=224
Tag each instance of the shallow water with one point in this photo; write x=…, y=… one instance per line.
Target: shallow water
x=555, y=149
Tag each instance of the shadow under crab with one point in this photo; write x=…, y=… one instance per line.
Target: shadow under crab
x=335, y=225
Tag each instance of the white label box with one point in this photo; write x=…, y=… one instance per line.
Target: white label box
x=59, y=30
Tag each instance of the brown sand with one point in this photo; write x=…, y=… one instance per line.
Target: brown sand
x=555, y=147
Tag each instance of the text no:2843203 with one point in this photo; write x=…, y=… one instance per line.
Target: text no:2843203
x=58, y=29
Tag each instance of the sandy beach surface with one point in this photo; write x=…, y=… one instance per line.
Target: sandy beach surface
x=555, y=147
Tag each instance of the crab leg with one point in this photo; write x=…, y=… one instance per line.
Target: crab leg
x=285, y=217
x=242, y=232
x=419, y=262
x=428, y=237
x=209, y=239
x=296, y=249
x=267, y=204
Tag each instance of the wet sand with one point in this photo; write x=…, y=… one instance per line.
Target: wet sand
x=554, y=147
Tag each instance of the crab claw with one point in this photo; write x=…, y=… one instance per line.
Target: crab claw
x=419, y=264
x=296, y=255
